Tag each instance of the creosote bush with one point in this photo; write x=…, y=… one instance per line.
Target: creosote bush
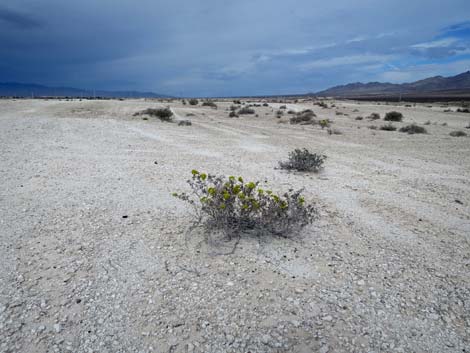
x=413, y=129
x=164, y=114
x=193, y=101
x=393, y=116
x=232, y=114
x=234, y=206
x=303, y=160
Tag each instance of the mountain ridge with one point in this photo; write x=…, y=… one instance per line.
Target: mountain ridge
x=460, y=82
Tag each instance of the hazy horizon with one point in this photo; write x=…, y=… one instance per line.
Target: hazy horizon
x=221, y=48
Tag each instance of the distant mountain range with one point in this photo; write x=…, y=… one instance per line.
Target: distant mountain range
x=11, y=89
x=432, y=86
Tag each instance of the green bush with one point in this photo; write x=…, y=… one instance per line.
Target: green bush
x=388, y=127
x=413, y=129
x=234, y=206
x=393, y=116
x=193, y=101
x=164, y=114
x=324, y=123
x=303, y=160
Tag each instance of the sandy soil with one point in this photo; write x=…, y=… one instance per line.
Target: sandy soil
x=95, y=254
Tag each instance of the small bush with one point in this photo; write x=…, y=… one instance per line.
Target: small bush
x=468, y=126
x=372, y=127
x=283, y=107
x=265, y=105
x=321, y=104
x=164, y=114
x=465, y=110
x=324, y=123
x=427, y=122
x=374, y=116
x=304, y=117
x=236, y=101
x=279, y=113
x=209, y=104
x=388, y=127
x=233, y=115
x=303, y=160
x=184, y=123
x=234, y=206
x=359, y=118
x=183, y=101
x=393, y=116
x=291, y=112
x=193, y=101
x=246, y=111
x=190, y=114
x=458, y=133
x=413, y=129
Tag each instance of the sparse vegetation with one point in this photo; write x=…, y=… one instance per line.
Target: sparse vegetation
x=463, y=110
x=359, y=118
x=209, y=104
x=164, y=114
x=236, y=101
x=193, y=101
x=393, y=116
x=233, y=114
x=413, y=129
x=265, y=105
x=283, y=107
x=372, y=127
x=324, y=123
x=234, y=206
x=304, y=161
x=458, y=133
x=334, y=132
x=388, y=127
x=184, y=123
x=374, y=116
x=304, y=117
x=246, y=111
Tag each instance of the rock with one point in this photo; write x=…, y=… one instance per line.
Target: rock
x=57, y=328
x=361, y=282
x=327, y=318
x=230, y=284
x=265, y=339
x=299, y=290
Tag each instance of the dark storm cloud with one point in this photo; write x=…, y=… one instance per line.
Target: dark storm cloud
x=222, y=47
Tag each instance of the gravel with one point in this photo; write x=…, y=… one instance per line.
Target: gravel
x=385, y=269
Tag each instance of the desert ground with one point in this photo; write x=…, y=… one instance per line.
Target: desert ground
x=97, y=256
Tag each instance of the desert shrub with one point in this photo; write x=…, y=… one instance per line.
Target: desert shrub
x=458, y=133
x=444, y=124
x=303, y=117
x=372, y=127
x=183, y=101
x=246, y=110
x=468, y=126
x=334, y=132
x=283, y=107
x=193, y=101
x=303, y=160
x=413, y=129
x=235, y=206
x=164, y=114
x=184, y=123
x=427, y=122
x=265, y=105
x=279, y=113
x=359, y=118
x=321, y=104
x=209, y=104
x=388, y=127
x=464, y=110
x=233, y=108
x=190, y=114
x=324, y=123
x=374, y=116
x=236, y=101
x=291, y=112
x=232, y=114
x=393, y=116
x=339, y=113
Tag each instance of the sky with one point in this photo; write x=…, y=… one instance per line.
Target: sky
x=230, y=48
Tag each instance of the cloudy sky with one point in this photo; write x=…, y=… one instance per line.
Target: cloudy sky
x=228, y=47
